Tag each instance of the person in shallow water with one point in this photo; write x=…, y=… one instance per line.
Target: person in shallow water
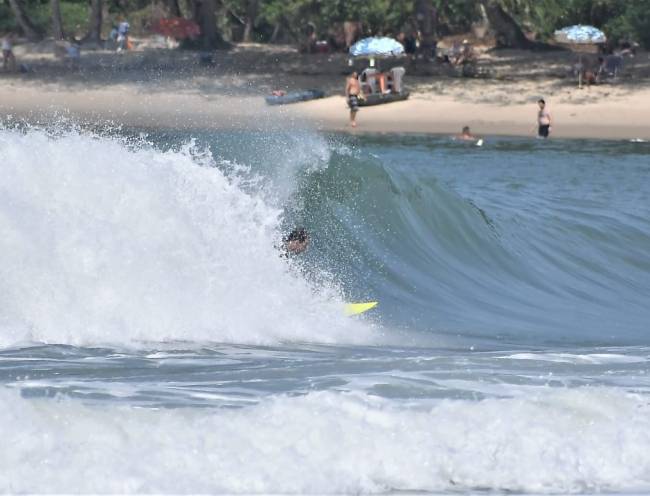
x=296, y=241
x=543, y=120
x=466, y=134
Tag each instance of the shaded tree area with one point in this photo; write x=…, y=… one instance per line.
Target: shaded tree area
x=513, y=23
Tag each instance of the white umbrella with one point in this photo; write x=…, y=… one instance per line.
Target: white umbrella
x=580, y=35
x=377, y=47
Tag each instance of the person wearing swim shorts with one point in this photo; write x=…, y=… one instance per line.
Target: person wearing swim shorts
x=543, y=120
x=352, y=92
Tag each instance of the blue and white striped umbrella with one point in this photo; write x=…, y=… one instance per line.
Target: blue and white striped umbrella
x=377, y=47
x=580, y=35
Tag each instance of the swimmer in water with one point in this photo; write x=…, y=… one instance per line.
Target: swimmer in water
x=466, y=135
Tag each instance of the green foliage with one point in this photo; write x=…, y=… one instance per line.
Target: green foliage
x=7, y=21
x=633, y=23
x=456, y=16
x=620, y=19
x=377, y=16
x=73, y=14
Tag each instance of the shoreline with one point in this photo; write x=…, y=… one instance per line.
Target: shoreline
x=168, y=89
x=157, y=105
x=414, y=116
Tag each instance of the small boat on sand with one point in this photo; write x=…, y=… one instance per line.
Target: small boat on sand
x=379, y=87
x=294, y=97
x=378, y=98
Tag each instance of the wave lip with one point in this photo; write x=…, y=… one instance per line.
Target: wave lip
x=106, y=241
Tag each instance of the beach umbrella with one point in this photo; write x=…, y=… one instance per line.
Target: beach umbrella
x=580, y=35
x=377, y=47
x=577, y=37
x=177, y=27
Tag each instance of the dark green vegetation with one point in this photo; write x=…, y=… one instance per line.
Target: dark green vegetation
x=516, y=23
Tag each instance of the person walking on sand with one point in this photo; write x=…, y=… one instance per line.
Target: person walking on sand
x=352, y=92
x=8, y=57
x=543, y=120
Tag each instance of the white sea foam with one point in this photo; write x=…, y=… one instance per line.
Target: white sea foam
x=586, y=358
x=586, y=440
x=107, y=243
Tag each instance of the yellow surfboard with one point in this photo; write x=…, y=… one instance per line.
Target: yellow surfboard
x=358, y=308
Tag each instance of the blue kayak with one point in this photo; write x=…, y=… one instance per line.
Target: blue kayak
x=295, y=97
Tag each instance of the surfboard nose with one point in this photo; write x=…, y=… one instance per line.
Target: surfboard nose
x=358, y=308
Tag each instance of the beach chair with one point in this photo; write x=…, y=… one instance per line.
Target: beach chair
x=369, y=83
x=395, y=76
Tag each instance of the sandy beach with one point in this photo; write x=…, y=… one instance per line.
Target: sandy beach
x=165, y=88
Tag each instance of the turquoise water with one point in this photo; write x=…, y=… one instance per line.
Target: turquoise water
x=153, y=338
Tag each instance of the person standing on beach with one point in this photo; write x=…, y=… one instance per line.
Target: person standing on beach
x=352, y=91
x=543, y=120
x=8, y=57
x=123, y=35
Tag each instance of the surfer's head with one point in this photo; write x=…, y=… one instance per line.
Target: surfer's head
x=297, y=240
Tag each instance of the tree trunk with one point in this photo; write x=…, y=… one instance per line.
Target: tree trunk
x=251, y=17
x=95, y=22
x=276, y=32
x=174, y=8
x=25, y=23
x=195, y=8
x=57, y=23
x=425, y=16
x=351, y=32
x=210, y=37
x=509, y=34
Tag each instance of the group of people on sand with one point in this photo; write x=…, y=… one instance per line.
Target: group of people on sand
x=353, y=93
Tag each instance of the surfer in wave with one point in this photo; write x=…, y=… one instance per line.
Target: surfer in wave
x=296, y=241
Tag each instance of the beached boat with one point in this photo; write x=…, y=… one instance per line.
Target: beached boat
x=294, y=97
x=378, y=98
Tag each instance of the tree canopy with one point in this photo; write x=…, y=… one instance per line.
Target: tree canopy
x=294, y=20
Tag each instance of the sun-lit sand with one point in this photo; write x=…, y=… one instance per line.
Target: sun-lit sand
x=165, y=88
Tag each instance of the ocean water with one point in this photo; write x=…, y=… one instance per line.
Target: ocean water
x=154, y=339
